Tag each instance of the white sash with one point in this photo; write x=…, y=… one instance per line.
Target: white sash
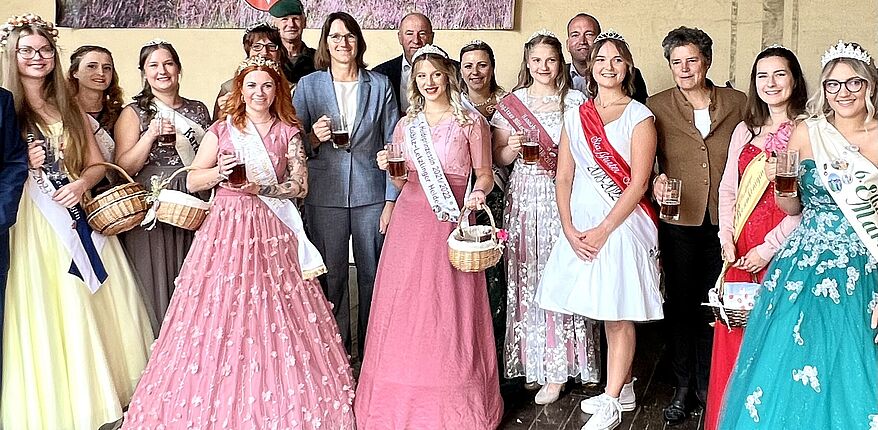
x=852, y=181
x=105, y=143
x=419, y=139
x=189, y=133
x=251, y=149
x=60, y=220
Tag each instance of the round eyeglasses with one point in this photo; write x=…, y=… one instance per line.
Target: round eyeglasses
x=29, y=53
x=853, y=85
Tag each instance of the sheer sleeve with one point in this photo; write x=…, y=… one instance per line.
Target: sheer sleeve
x=479, y=142
x=295, y=185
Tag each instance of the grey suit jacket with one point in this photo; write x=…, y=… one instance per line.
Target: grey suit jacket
x=340, y=178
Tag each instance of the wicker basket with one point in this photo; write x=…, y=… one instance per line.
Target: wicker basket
x=474, y=248
x=118, y=209
x=733, y=318
x=180, y=209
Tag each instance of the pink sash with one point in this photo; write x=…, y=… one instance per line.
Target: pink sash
x=606, y=156
x=521, y=118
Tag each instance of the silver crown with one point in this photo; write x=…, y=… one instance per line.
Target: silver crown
x=844, y=50
x=155, y=42
x=475, y=42
x=430, y=49
x=775, y=46
x=609, y=34
x=541, y=32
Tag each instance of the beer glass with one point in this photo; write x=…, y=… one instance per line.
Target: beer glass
x=530, y=148
x=238, y=177
x=396, y=160
x=787, y=173
x=670, y=204
x=340, y=137
x=166, y=139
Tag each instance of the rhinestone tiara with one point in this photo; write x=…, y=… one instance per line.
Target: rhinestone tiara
x=775, y=46
x=475, y=42
x=541, y=32
x=156, y=41
x=609, y=34
x=28, y=19
x=429, y=49
x=845, y=50
x=258, y=61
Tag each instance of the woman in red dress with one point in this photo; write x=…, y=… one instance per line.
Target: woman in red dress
x=777, y=96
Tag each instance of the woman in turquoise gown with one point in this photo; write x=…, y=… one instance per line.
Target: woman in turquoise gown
x=809, y=359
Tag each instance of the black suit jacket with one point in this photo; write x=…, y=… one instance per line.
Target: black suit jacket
x=13, y=162
x=393, y=70
x=640, y=93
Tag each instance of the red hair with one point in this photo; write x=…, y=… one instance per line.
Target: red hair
x=282, y=107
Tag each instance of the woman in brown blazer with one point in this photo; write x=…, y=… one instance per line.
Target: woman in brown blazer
x=694, y=120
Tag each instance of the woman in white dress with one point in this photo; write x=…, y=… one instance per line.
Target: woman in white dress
x=546, y=348
x=607, y=268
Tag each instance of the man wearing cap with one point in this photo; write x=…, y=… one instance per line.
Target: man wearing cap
x=415, y=31
x=581, y=32
x=289, y=18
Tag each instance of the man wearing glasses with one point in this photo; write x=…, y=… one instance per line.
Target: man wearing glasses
x=415, y=31
x=289, y=18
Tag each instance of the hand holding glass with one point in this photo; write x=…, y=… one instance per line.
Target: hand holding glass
x=787, y=173
x=396, y=160
x=530, y=148
x=340, y=137
x=670, y=203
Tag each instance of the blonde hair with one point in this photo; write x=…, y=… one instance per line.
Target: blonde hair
x=817, y=104
x=54, y=91
x=452, y=89
x=562, y=81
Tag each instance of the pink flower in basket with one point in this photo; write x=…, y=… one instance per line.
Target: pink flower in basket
x=778, y=140
x=502, y=235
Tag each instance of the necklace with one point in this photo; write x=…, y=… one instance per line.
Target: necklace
x=270, y=119
x=490, y=100
x=604, y=106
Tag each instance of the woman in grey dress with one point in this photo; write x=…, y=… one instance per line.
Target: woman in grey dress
x=158, y=253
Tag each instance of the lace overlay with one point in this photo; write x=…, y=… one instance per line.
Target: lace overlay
x=542, y=346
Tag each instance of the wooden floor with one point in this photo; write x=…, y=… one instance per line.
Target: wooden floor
x=653, y=389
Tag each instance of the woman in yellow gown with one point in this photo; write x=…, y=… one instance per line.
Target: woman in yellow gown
x=76, y=334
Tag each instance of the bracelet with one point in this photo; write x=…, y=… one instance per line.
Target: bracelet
x=479, y=190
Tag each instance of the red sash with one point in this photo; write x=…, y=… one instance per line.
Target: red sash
x=521, y=118
x=606, y=156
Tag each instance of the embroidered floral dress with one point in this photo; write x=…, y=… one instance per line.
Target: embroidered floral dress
x=542, y=346
x=808, y=359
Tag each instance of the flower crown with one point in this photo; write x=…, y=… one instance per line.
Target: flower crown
x=610, y=34
x=845, y=50
x=155, y=42
x=258, y=61
x=429, y=49
x=541, y=32
x=26, y=20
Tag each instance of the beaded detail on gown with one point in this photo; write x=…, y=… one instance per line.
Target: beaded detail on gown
x=808, y=358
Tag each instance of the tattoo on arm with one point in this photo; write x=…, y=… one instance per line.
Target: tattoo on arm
x=297, y=174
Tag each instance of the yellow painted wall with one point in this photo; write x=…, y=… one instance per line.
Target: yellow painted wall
x=806, y=26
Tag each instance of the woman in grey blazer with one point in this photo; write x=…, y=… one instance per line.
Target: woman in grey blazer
x=349, y=197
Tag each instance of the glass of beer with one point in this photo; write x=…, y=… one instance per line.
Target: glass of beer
x=530, y=148
x=396, y=160
x=238, y=176
x=670, y=204
x=340, y=137
x=787, y=173
x=166, y=117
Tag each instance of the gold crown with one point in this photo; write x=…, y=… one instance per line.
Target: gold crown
x=26, y=20
x=845, y=50
x=258, y=61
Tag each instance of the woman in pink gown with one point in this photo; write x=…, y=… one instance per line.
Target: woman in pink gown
x=249, y=341
x=429, y=360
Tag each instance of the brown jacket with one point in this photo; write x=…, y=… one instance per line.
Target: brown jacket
x=682, y=153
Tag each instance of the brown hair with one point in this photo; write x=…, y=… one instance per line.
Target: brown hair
x=757, y=113
x=322, y=59
x=54, y=91
x=525, y=80
x=625, y=53
x=145, y=97
x=282, y=106
x=112, y=100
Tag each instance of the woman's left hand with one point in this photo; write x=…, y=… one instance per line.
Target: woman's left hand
x=751, y=262
x=476, y=199
x=594, y=240
x=248, y=188
x=71, y=194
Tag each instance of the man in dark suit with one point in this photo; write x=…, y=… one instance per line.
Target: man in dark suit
x=289, y=18
x=13, y=173
x=415, y=31
x=581, y=32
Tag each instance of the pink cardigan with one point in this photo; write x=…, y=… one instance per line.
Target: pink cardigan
x=728, y=195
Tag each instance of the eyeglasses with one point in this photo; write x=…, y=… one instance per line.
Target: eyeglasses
x=337, y=38
x=258, y=47
x=29, y=53
x=853, y=85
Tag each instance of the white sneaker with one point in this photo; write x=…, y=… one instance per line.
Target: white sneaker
x=548, y=394
x=608, y=417
x=626, y=398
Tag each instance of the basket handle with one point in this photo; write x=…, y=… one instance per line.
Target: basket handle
x=483, y=207
x=186, y=169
